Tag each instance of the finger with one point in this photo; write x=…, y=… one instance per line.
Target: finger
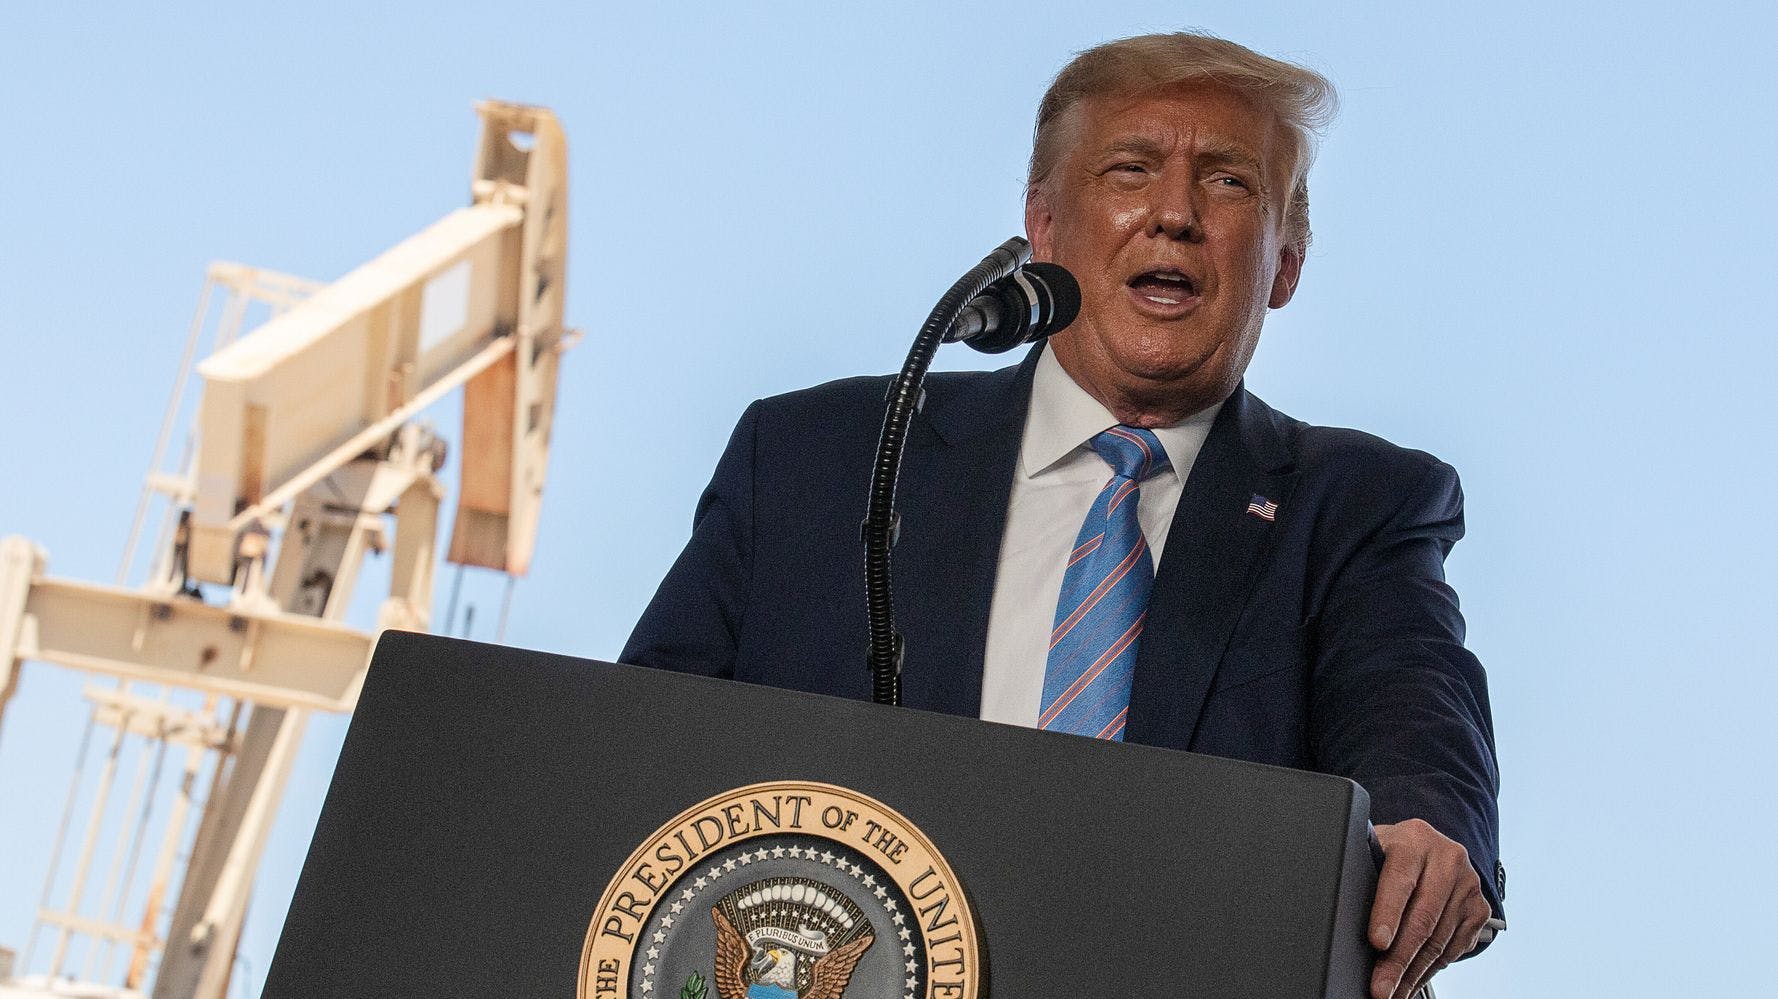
x=1470, y=935
x=1436, y=952
x=1474, y=913
x=1395, y=886
x=1424, y=910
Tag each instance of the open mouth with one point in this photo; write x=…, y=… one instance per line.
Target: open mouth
x=1165, y=287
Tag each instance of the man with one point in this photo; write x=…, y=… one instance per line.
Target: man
x=1299, y=614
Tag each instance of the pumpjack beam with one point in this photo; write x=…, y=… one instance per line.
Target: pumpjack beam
x=476, y=298
x=284, y=660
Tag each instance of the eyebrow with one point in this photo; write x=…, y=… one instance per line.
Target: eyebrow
x=1141, y=145
x=1211, y=149
x=1232, y=155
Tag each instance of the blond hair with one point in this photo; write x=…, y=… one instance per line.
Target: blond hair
x=1302, y=99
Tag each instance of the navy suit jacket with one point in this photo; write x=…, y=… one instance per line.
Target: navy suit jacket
x=1324, y=640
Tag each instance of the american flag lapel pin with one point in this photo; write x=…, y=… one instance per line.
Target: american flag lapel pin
x=1262, y=508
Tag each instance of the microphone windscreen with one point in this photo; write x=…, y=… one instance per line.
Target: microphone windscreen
x=1064, y=294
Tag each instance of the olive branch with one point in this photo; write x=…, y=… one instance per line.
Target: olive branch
x=695, y=988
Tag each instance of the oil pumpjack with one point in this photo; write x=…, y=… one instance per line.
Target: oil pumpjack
x=305, y=453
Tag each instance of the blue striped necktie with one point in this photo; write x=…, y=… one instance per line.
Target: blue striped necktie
x=1086, y=686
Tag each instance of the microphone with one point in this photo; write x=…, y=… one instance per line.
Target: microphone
x=994, y=306
x=1029, y=304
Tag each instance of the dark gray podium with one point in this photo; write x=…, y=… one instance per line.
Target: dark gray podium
x=486, y=797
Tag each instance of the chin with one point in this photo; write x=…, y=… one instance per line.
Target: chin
x=1167, y=367
x=1193, y=385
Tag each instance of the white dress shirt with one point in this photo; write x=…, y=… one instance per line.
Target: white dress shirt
x=1058, y=477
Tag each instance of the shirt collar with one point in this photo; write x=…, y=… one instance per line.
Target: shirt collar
x=1064, y=418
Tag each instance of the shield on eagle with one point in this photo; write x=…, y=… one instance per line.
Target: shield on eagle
x=787, y=938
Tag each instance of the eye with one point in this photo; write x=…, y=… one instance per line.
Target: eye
x=1127, y=175
x=1228, y=185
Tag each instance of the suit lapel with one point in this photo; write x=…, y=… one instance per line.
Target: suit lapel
x=956, y=479
x=1213, y=553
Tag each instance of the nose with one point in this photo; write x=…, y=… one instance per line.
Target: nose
x=1173, y=213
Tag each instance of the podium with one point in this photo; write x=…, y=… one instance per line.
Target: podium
x=500, y=820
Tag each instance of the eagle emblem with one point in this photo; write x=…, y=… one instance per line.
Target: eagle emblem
x=813, y=890
x=787, y=938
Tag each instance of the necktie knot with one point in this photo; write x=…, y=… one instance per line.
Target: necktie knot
x=1132, y=452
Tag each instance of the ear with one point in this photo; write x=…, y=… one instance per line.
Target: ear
x=1290, y=271
x=1039, y=223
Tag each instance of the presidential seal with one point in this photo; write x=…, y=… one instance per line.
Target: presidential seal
x=788, y=890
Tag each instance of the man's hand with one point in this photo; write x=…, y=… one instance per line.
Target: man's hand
x=1429, y=908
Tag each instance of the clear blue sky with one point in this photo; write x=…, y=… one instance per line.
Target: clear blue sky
x=1545, y=252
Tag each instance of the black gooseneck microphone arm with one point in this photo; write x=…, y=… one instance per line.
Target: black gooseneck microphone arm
x=906, y=396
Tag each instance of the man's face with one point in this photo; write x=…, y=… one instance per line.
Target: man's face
x=1169, y=208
